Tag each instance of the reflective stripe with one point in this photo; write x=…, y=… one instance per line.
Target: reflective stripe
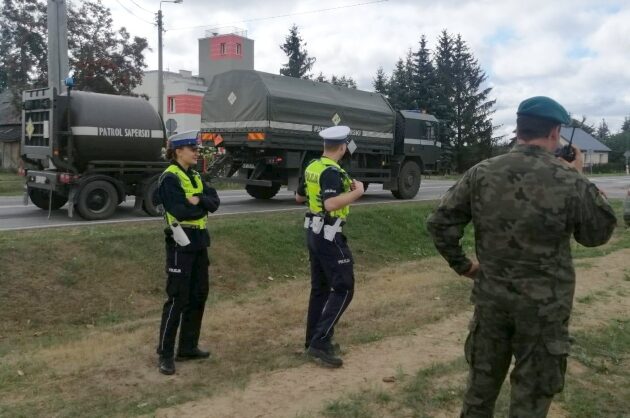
x=93, y=131
x=423, y=142
x=312, y=176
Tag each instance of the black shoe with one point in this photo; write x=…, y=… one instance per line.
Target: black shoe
x=332, y=348
x=194, y=354
x=325, y=357
x=167, y=365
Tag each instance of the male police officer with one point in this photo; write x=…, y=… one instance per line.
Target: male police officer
x=329, y=191
x=186, y=200
x=524, y=205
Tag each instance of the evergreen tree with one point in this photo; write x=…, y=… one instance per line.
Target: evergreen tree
x=423, y=88
x=299, y=63
x=321, y=78
x=625, y=127
x=603, y=132
x=463, y=101
x=380, y=81
x=343, y=81
x=397, y=87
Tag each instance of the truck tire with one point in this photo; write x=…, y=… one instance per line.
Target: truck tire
x=41, y=199
x=97, y=200
x=147, y=199
x=408, y=181
x=262, y=192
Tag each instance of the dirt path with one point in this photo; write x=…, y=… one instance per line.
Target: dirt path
x=306, y=389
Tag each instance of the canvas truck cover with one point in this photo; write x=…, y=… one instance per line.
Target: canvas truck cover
x=242, y=100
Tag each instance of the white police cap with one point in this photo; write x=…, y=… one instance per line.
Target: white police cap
x=335, y=134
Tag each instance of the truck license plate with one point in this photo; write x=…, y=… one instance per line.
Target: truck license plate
x=40, y=179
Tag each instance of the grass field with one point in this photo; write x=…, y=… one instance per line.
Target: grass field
x=81, y=308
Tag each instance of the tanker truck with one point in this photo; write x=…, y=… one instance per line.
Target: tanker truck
x=268, y=126
x=91, y=151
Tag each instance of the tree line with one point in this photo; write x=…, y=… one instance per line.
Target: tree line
x=104, y=60
x=447, y=83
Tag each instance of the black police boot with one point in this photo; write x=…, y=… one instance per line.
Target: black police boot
x=333, y=348
x=194, y=354
x=167, y=365
x=325, y=357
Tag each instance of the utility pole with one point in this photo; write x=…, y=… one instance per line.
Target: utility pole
x=57, y=43
x=160, y=74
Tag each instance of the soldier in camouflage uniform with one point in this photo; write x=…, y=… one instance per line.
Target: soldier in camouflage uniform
x=524, y=205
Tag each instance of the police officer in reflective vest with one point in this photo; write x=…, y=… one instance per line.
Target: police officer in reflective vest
x=329, y=191
x=186, y=201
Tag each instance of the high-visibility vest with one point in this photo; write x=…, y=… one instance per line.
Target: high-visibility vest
x=190, y=190
x=312, y=176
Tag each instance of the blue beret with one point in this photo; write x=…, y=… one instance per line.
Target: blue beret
x=544, y=107
x=183, y=139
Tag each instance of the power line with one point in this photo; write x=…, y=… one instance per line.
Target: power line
x=279, y=16
x=132, y=13
x=140, y=7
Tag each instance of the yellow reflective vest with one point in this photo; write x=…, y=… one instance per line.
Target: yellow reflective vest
x=190, y=191
x=312, y=176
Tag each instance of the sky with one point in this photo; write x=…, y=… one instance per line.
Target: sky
x=575, y=51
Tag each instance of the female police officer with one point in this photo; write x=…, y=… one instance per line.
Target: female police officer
x=186, y=201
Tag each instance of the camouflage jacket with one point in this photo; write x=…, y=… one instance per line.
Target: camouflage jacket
x=524, y=205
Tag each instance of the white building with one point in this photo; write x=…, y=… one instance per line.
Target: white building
x=219, y=51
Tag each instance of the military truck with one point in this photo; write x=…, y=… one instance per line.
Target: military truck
x=90, y=150
x=268, y=126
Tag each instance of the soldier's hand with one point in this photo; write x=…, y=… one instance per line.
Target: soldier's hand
x=357, y=186
x=472, y=271
x=578, y=163
x=193, y=200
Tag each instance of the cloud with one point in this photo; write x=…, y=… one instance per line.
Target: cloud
x=575, y=51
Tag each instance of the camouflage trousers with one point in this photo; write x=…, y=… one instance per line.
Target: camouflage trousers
x=540, y=348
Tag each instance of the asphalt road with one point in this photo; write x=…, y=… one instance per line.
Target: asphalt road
x=15, y=216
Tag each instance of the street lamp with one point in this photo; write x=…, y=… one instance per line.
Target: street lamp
x=160, y=73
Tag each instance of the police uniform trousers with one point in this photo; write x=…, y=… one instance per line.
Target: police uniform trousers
x=540, y=347
x=187, y=290
x=332, y=286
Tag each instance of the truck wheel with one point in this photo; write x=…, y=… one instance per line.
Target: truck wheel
x=262, y=192
x=41, y=199
x=408, y=181
x=97, y=200
x=147, y=199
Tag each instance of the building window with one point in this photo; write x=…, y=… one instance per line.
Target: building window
x=238, y=49
x=171, y=105
x=222, y=48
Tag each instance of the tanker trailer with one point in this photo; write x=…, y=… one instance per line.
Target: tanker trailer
x=91, y=151
x=268, y=125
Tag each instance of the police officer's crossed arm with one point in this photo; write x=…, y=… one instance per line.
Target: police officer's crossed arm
x=447, y=224
x=175, y=202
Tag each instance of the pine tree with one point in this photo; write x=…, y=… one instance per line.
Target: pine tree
x=380, y=81
x=343, y=81
x=299, y=63
x=625, y=127
x=444, y=90
x=603, y=132
x=423, y=87
x=397, y=87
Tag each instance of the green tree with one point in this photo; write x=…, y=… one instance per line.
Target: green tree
x=603, y=132
x=423, y=83
x=380, y=82
x=299, y=63
x=463, y=101
x=343, y=81
x=397, y=86
x=104, y=60
x=23, y=57
x=625, y=127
